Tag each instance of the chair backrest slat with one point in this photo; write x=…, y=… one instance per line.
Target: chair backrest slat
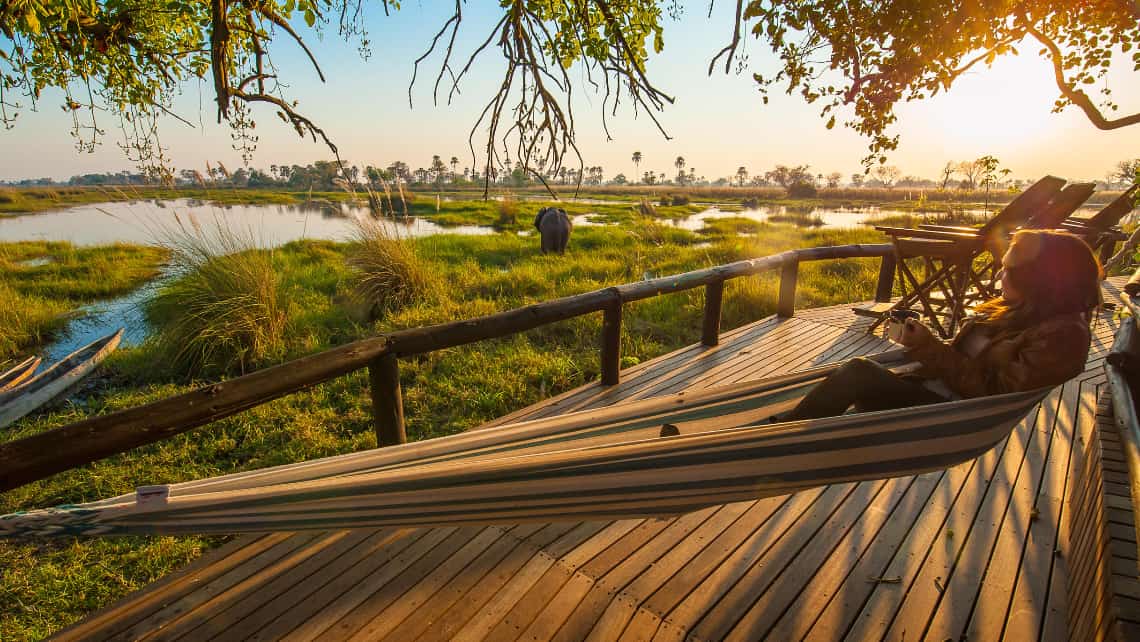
x=1114, y=211
x=1021, y=208
x=1062, y=205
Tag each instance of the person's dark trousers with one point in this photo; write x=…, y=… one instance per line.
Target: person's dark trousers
x=864, y=384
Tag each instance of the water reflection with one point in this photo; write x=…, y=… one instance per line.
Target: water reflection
x=104, y=317
x=144, y=222
x=814, y=217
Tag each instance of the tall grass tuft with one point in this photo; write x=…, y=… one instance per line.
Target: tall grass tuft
x=223, y=312
x=388, y=273
x=646, y=208
x=508, y=209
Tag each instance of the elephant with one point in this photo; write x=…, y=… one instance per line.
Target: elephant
x=554, y=225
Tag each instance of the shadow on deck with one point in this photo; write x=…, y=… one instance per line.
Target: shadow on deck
x=976, y=552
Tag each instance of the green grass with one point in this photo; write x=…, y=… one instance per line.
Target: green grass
x=48, y=585
x=797, y=218
x=14, y=202
x=42, y=283
x=730, y=226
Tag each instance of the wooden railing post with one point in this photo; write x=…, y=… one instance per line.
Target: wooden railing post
x=387, y=400
x=885, y=288
x=1107, y=249
x=788, y=275
x=714, y=293
x=611, y=343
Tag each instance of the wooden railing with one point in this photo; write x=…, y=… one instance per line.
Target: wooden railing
x=39, y=456
x=1122, y=369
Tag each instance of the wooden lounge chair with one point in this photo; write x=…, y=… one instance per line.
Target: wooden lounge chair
x=1100, y=230
x=950, y=254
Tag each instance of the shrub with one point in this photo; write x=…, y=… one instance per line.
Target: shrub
x=680, y=199
x=222, y=313
x=387, y=271
x=802, y=189
x=750, y=203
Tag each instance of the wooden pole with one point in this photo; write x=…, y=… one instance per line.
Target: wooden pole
x=714, y=294
x=611, y=343
x=387, y=400
x=885, y=287
x=788, y=275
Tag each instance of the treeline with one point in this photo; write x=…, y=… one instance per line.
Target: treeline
x=799, y=181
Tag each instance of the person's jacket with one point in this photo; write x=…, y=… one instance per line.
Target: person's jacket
x=1047, y=354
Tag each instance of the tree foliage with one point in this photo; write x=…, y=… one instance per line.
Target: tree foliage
x=126, y=60
x=129, y=58
x=864, y=57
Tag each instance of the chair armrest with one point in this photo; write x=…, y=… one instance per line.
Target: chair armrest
x=908, y=247
x=1079, y=224
x=929, y=234
x=963, y=229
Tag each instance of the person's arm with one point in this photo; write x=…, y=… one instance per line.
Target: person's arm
x=1048, y=354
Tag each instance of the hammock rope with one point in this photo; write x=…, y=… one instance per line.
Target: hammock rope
x=609, y=463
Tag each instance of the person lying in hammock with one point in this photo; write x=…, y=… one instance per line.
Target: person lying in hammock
x=1035, y=334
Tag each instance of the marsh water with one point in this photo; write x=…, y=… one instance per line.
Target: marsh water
x=152, y=221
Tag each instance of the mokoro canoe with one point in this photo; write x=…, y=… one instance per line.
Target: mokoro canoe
x=19, y=373
x=56, y=380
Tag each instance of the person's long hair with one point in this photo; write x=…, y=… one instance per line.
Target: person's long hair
x=1058, y=274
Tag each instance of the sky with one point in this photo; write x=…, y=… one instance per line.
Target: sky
x=717, y=123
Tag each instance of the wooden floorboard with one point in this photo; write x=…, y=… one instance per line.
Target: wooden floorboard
x=974, y=552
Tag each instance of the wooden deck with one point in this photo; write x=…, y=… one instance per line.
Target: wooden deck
x=976, y=552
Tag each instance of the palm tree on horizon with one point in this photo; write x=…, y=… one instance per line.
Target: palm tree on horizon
x=680, y=165
x=636, y=162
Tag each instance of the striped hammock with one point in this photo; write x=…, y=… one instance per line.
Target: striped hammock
x=610, y=463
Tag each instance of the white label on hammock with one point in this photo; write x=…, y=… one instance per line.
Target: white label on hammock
x=146, y=495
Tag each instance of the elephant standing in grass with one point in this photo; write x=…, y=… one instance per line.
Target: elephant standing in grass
x=553, y=224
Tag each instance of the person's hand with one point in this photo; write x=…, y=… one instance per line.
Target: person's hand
x=914, y=332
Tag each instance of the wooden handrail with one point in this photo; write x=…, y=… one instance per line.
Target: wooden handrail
x=39, y=456
x=1121, y=369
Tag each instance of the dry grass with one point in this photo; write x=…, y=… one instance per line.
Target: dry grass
x=508, y=209
x=387, y=271
x=225, y=313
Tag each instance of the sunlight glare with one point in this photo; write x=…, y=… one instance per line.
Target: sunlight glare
x=1008, y=104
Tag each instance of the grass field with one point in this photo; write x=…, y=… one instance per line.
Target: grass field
x=43, y=283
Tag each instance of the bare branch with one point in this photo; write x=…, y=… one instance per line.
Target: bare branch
x=1074, y=95
x=730, y=49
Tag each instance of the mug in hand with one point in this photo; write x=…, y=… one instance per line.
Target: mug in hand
x=897, y=323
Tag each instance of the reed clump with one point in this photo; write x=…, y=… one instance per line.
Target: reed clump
x=223, y=312
x=508, y=209
x=388, y=274
x=646, y=208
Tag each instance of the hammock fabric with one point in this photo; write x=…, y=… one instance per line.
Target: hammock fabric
x=608, y=464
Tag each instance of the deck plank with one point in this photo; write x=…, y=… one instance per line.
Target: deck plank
x=489, y=586
x=972, y=547
x=734, y=603
x=205, y=595
x=345, y=601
